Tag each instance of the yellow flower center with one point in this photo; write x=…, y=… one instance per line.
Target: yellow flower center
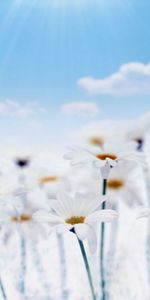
x=75, y=220
x=96, y=141
x=47, y=179
x=103, y=156
x=22, y=218
x=115, y=184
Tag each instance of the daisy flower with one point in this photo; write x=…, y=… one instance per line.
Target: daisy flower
x=123, y=184
x=48, y=173
x=51, y=181
x=126, y=184
x=78, y=213
x=106, y=158
x=16, y=219
x=17, y=215
x=96, y=134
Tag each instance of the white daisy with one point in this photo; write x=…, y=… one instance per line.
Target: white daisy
x=52, y=181
x=126, y=184
x=77, y=213
x=49, y=173
x=18, y=215
x=96, y=134
x=106, y=158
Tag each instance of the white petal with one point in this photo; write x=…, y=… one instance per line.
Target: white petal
x=62, y=228
x=85, y=204
x=63, y=195
x=105, y=215
x=81, y=231
x=80, y=161
x=79, y=156
x=98, y=163
x=60, y=208
x=64, y=205
x=43, y=216
x=144, y=214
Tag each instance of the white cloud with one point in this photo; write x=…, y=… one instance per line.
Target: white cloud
x=130, y=79
x=10, y=108
x=88, y=109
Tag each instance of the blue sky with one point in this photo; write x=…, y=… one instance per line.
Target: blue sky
x=46, y=47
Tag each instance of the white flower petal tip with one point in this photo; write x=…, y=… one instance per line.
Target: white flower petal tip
x=144, y=214
x=103, y=215
x=46, y=217
x=109, y=215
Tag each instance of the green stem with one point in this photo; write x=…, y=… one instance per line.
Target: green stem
x=102, y=244
x=87, y=268
x=104, y=187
